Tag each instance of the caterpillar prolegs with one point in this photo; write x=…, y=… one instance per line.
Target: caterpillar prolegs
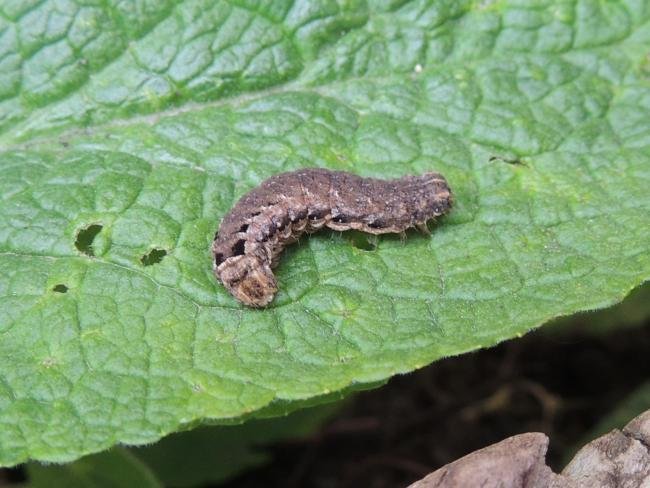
x=253, y=234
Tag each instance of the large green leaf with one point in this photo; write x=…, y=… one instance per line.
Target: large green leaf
x=129, y=130
x=110, y=469
x=217, y=453
x=632, y=312
x=202, y=456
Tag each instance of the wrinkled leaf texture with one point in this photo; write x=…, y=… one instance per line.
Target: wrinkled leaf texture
x=128, y=129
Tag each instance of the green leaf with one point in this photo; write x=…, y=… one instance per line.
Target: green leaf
x=193, y=458
x=215, y=454
x=113, y=468
x=632, y=312
x=129, y=129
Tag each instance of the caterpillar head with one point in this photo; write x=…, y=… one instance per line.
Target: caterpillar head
x=248, y=279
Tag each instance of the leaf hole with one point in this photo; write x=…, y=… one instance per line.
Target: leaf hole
x=60, y=288
x=85, y=238
x=153, y=257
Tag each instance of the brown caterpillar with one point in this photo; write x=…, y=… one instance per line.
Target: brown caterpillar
x=276, y=213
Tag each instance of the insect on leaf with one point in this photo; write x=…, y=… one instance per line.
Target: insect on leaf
x=127, y=134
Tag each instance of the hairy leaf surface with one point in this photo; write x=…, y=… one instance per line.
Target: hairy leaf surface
x=128, y=129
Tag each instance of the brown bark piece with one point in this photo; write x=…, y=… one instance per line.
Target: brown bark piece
x=518, y=461
x=619, y=459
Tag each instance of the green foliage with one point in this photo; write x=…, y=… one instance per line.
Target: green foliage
x=192, y=458
x=214, y=454
x=113, y=468
x=632, y=312
x=129, y=129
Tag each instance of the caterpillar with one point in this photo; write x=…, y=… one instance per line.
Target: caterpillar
x=285, y=206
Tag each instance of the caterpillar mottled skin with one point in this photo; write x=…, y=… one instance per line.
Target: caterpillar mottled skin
x=276, y=213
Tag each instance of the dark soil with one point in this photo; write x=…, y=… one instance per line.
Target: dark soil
x=557, y=384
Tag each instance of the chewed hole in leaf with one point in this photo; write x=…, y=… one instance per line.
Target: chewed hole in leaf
x=153, y=257
x=85, y=238
x=60, y=288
